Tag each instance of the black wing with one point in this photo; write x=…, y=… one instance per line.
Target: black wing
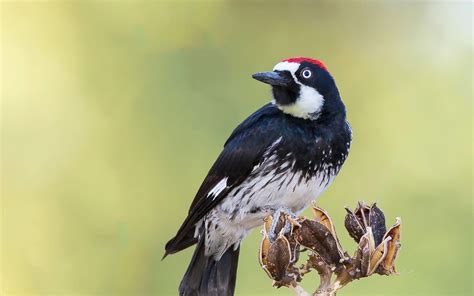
x=242, y=151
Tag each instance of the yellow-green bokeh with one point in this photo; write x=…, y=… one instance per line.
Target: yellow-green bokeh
x=112, y=113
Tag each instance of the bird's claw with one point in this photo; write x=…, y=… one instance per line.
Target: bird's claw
x=277, y=226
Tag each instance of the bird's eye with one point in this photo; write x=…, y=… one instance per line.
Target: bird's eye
x=306, y=73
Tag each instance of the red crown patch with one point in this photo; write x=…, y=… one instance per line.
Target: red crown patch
x=309, y=60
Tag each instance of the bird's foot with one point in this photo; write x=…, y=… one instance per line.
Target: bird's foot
x=280, y=224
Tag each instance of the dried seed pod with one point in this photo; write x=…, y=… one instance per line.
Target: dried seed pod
x=354, y=227
x=263, y=251
x=274, y=258
x=364, y=251
x=378, y=256
x=267, y=223
x=278, y=258
x=323, y=217
x=362, y=214
x=279, y=228
x=377, y=222
x=277, y=255
x=393, y=246
x=294, y=248
x=283, y=239
x=315, y=236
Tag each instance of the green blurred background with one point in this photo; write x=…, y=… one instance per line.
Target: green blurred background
x=112, y=113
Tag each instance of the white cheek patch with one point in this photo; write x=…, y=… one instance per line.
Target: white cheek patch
x=307, y=106
x=309, y=102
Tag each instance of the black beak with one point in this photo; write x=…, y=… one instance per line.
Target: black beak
x=273, y=78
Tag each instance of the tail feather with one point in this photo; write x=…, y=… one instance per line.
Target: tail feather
x=177, y=244
x=206, y=276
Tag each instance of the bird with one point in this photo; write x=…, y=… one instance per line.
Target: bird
x=279, y=159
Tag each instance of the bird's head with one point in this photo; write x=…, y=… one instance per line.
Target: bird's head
x=303, y=87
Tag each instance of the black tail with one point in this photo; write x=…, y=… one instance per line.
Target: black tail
x=178, y=243
x=208, y=277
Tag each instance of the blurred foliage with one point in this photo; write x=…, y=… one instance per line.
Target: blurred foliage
x=112, y=113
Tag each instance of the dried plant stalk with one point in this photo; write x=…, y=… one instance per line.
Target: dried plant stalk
x=284, y=237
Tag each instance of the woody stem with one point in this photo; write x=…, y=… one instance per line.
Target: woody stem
x=299, y=291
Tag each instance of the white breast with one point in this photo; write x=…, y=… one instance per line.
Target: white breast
x=267, y=190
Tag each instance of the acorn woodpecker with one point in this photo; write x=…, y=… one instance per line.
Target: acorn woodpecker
x=279, y=159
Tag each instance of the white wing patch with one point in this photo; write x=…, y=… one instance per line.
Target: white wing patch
x=309, y=102
x=272, y=146
x=218, y=188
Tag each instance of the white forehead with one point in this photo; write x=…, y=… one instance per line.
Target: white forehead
x=287, y=66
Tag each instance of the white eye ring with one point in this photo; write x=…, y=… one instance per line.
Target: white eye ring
x=306, y=73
